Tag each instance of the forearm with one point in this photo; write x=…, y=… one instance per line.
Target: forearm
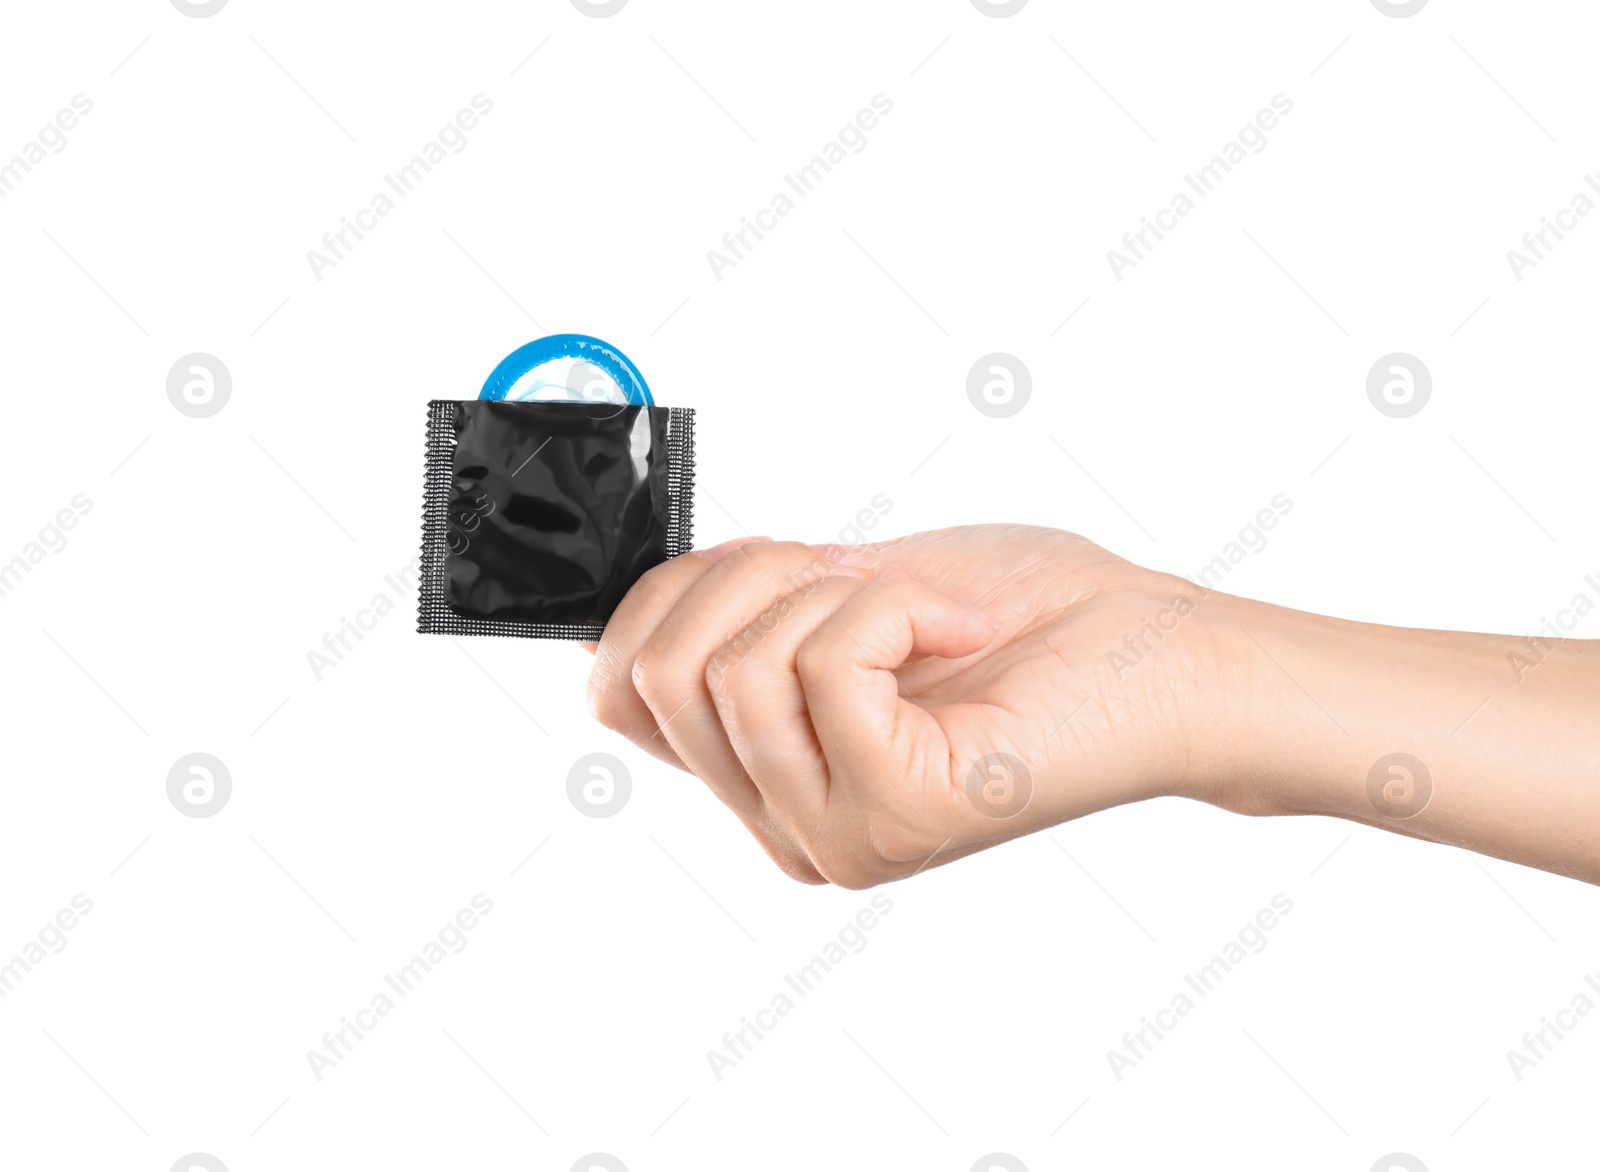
x=1507, y=732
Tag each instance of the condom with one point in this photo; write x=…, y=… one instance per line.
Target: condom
x=567, y=368
x=541, y=508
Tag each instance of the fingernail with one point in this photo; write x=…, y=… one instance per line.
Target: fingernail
x=718, y=552
x=860, y=556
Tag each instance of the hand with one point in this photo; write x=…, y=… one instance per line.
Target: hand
x=868, y=711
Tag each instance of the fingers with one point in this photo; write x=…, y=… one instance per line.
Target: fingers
x=669, y=670
x=864, y=727
x=613, y=699
x=768, y=670
x=754, y=683
x=810, y=705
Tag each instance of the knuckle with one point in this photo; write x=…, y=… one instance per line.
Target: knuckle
x=646, y=675
x=729, y=668
x=660, y=677
x=721, y=669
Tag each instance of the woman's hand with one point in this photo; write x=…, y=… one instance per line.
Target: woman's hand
x=871, y=710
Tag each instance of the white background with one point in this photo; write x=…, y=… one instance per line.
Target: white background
x=828, y=367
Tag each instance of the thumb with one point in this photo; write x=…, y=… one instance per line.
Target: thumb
x=864, y=724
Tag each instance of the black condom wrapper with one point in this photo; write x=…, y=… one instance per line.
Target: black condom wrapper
x=538, y=516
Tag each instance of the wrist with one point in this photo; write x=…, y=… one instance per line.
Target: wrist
x=1314, y=704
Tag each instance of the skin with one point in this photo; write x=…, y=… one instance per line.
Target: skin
x=847, y=704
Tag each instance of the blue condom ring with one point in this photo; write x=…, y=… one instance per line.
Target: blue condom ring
x=568, y=368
